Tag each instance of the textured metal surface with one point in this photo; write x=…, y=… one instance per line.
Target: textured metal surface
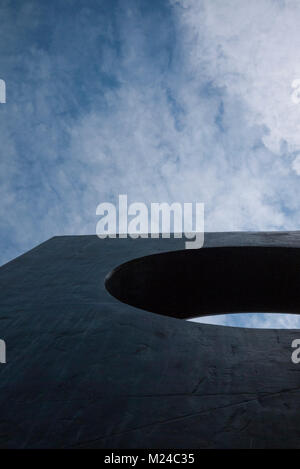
x=84, y=370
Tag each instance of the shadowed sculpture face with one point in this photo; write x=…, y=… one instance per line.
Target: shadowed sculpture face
x=209, y=281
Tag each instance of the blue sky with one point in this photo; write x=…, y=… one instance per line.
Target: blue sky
x=163, y=100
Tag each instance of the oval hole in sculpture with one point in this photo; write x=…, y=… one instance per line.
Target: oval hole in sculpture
x=210, y=281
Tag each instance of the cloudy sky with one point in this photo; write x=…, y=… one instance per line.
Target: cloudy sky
x=163, y=100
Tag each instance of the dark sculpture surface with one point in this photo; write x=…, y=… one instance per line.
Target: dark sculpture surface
x=85, y=370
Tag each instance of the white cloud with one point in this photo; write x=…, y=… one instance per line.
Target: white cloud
x=202, y=130
x=251, y=49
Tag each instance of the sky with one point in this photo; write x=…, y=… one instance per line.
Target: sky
x=162, y=100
